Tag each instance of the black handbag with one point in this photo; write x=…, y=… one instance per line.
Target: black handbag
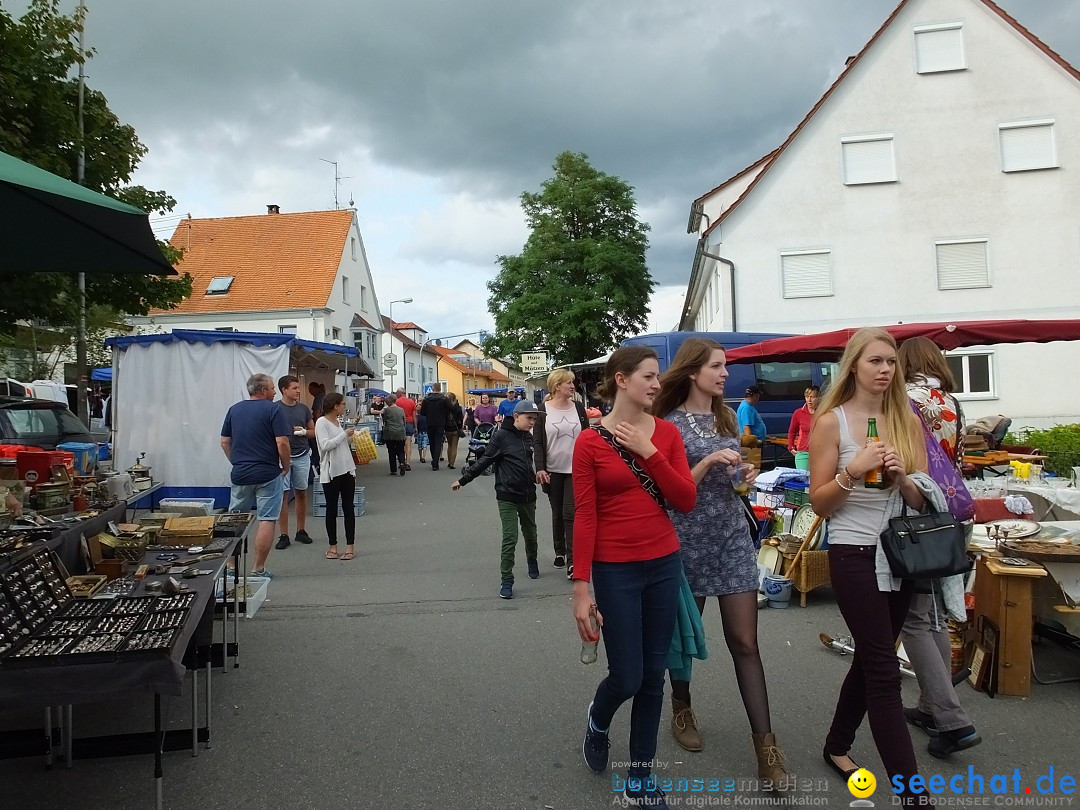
x=925, y=546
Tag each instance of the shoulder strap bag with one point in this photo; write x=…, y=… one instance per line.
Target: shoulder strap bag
x=925, y=546
x=646, y=481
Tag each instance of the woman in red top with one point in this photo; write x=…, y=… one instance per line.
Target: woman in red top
x=625, y=543
x=798, y=435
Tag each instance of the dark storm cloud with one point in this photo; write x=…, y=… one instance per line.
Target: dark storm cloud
x=480, y=96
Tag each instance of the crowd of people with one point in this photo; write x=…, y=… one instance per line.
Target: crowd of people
x=647, y=523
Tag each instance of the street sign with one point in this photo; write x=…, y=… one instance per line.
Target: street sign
x=534, y=362
x=389, y=359
x=388, y=372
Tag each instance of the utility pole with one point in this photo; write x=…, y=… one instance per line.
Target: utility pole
x=80, y=176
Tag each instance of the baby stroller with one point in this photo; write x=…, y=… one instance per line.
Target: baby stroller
x=478, y=442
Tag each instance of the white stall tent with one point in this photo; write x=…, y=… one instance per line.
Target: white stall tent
x=171, y=392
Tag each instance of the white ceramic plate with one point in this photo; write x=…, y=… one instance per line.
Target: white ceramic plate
x=769, y=558
x=1016, y=528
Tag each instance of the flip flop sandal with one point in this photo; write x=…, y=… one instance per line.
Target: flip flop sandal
x=348, y=555
x=332, y=554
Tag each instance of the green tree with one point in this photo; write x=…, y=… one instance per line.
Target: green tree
x=581, y=284
x=39, y=124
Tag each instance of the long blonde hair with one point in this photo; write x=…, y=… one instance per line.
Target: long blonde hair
x=693, y=355
x=896, y=410
x=556, y=378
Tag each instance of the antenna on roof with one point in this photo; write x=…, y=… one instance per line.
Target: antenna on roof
x=337, y=182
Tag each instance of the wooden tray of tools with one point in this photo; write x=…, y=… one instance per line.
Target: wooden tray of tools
x=1043, y=550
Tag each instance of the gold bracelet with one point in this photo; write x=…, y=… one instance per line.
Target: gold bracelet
x=839, y=484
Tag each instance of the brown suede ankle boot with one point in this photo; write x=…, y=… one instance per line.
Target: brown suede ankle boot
x=770, y=763
x=684, y=726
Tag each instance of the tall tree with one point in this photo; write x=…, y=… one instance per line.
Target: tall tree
x=581, y=284
x=39, y=124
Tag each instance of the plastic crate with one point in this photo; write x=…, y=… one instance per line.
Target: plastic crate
x=256, y=594
x=187, y=507
x=796, y=494
x=359, y=508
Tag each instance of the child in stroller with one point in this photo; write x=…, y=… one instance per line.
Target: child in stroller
x=478, y=442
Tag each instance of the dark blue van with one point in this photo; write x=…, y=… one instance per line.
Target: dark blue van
x=782, y=384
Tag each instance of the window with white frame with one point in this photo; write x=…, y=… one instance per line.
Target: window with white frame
x=868, y=159
x=345, y=289
x=363, y=297
x=939, y=48
x=806, y=273
x=358, y=341
x=287, y=329
x=962, y=264
x=1027, y=145
x=352, y=241
x=973, y=373
x=335, y=334
x=412, y=372
x=371, y=350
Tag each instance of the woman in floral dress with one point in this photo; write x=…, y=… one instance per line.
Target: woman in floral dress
x=717, y=553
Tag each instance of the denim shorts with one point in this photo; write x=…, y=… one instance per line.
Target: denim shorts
x=410, y=428
x=267, y=497
x=299, y=472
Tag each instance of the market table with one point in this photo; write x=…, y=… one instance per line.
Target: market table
x=70, y=548
x=982, y=463
x=52, y=684
x=134, y=500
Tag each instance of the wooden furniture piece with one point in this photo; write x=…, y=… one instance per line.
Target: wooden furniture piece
x=1003, y=594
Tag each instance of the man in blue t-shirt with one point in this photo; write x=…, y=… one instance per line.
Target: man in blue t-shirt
x=255, y=438
x=749, y=416
x=506, y=407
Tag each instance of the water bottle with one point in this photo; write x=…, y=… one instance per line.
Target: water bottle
x=589, y=648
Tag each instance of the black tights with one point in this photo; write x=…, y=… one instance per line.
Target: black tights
x=738, y=613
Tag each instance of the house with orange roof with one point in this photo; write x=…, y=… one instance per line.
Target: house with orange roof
x=303, y=273
x=415, y=359
x=931, y=182
x=515, y=375
x=461, y=373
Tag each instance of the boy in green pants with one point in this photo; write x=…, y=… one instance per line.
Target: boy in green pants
x=511, y=451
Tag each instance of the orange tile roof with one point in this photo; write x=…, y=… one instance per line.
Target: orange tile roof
x=278, y=261
x=447, y=356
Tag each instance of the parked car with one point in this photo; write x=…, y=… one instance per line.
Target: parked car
x=39, y=423
x=782, y=384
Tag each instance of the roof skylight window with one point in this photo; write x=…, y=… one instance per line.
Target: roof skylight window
x=219, y=285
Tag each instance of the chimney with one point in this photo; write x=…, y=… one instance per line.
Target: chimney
x=273, y=209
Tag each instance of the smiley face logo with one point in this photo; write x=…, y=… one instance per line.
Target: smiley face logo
x=861, y=783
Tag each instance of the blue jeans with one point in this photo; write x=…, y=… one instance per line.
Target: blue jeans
x=638, y=601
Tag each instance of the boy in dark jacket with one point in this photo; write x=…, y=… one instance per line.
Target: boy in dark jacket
x=511, y=451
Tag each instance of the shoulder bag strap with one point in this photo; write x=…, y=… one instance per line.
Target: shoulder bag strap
x=646, y=481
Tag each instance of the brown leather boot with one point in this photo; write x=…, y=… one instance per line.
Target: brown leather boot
x=684, y=726
x=770, y=763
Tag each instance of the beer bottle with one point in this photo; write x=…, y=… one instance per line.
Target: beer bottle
x=873, y=478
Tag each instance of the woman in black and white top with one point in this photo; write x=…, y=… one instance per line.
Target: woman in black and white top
x=560, y=422
x=337, y=473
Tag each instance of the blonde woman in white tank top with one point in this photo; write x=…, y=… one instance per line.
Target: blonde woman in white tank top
x=868, y=384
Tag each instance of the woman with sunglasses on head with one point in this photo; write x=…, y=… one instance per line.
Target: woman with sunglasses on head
x=869, y=385
x=561, y=420
x=718, y=554
x=626, y=470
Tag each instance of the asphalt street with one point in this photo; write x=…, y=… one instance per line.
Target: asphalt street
x=401, y=680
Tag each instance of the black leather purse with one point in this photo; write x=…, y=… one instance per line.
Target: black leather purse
x=925, y=546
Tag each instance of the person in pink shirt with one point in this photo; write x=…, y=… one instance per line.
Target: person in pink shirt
x=798, y=435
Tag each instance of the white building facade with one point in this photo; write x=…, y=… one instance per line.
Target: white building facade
x=938, y=179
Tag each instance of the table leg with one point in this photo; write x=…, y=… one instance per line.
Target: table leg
x=48, y=738
x=208, y=670
x=195, y=711
x=159, y=744
x=67, y=733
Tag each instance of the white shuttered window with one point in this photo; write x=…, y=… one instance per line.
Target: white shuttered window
x=806, y=274
x=868, y=159
x=962, y=264
x=939, y=48
x=1027, y=145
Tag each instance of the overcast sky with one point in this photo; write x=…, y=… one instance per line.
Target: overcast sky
x=439, y=114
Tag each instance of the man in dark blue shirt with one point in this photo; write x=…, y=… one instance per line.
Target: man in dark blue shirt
x=255, y=438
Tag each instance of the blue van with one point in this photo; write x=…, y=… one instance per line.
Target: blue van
x=782, y=384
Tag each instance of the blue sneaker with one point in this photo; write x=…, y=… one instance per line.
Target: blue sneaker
x=643, y=793
x=595, y=746
x=266, y=573
x=534, y=569
x=507, y=590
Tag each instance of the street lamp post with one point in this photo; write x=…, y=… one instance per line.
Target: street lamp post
x=393, y=368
